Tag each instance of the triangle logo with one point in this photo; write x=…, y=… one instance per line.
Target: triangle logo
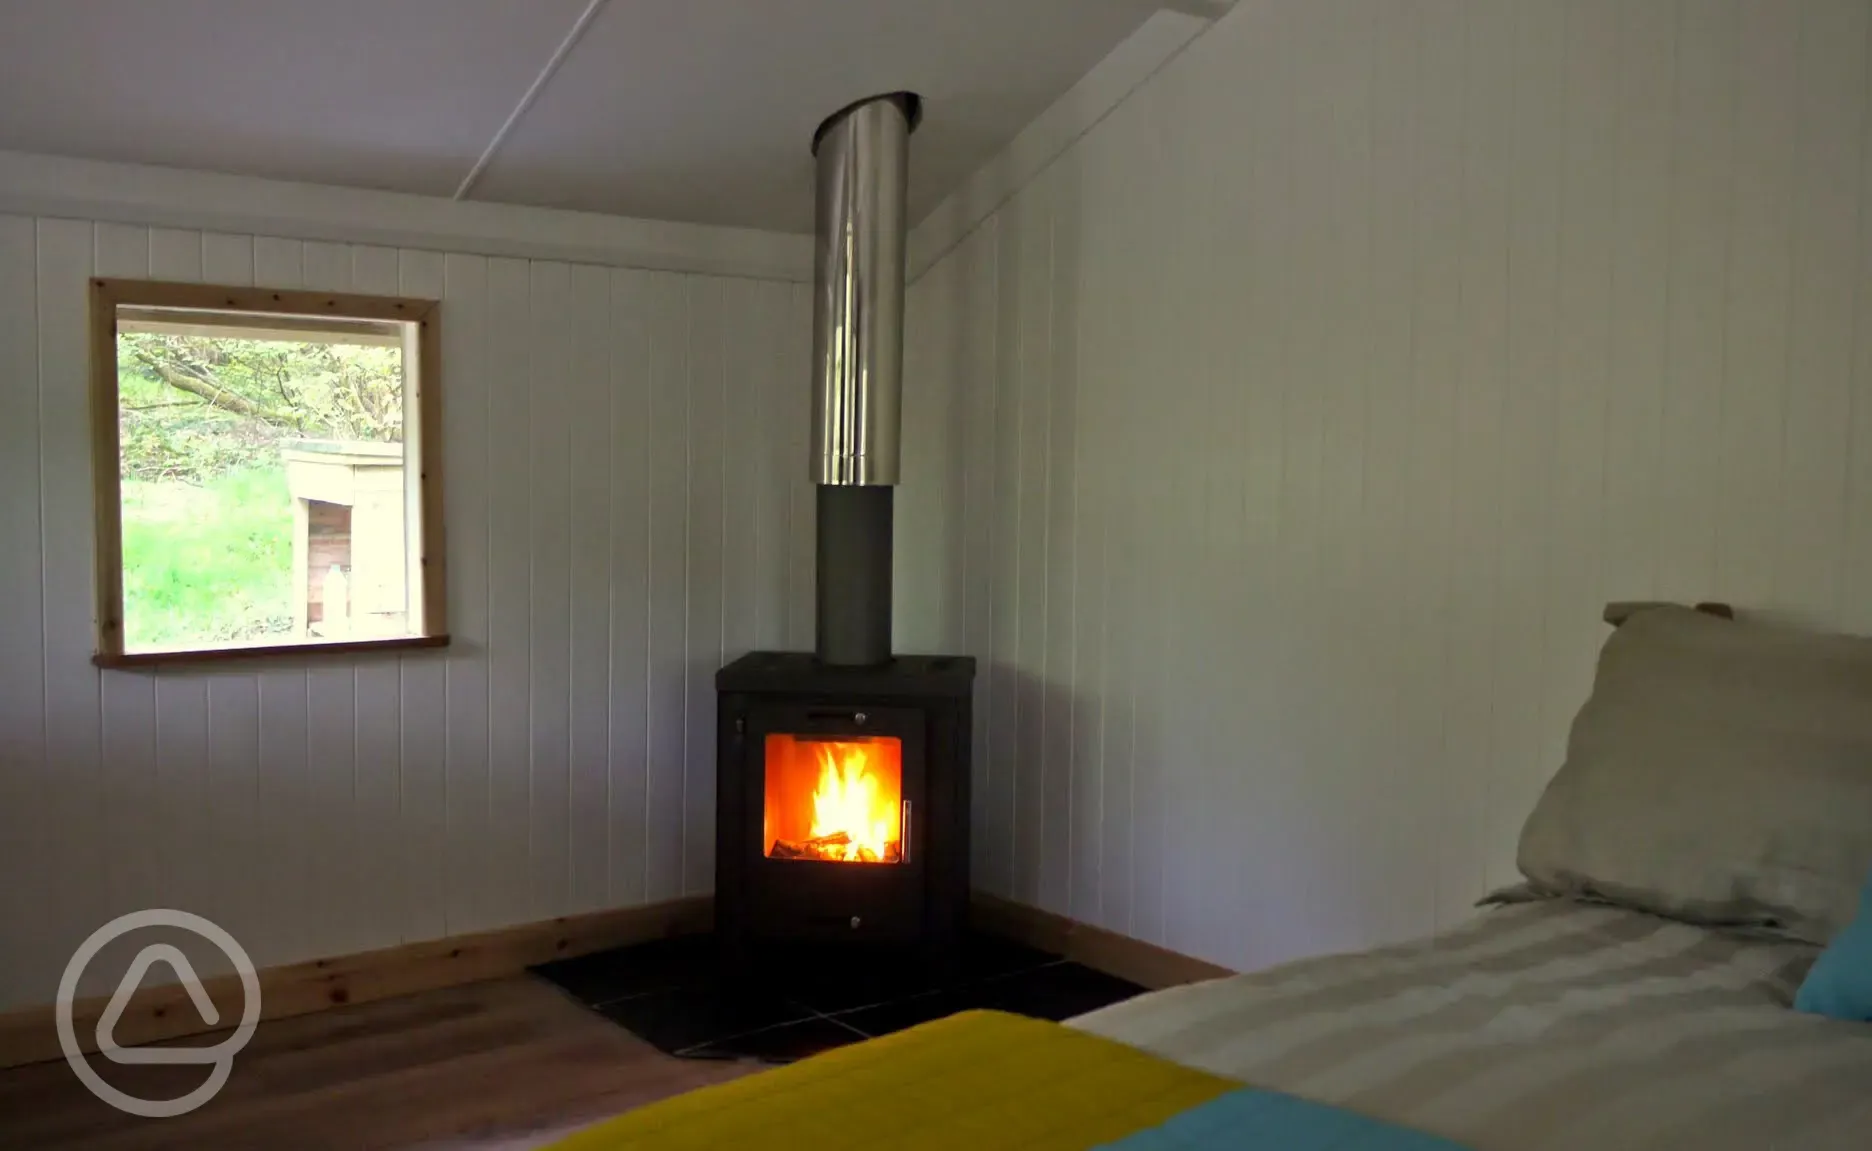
x=219, y=1058
x=172, y=957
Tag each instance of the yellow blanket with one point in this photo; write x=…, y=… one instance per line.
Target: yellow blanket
x=978, y=1081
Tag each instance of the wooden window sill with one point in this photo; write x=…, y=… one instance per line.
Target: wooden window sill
x=137, y=659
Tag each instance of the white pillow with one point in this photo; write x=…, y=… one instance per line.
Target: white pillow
x=1720, y=772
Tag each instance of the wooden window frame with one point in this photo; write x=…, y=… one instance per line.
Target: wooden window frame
x=278, y=313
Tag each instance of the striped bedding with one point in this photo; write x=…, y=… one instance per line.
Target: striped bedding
x=1547, y=1025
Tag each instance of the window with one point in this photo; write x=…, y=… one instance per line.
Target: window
x=266, y=471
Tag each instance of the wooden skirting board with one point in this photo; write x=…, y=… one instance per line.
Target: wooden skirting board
x=1114, y=954
x=164, y=1012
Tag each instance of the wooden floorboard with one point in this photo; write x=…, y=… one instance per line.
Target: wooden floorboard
x=500, y=1066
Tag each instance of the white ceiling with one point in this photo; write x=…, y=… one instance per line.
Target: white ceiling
x=697, y=110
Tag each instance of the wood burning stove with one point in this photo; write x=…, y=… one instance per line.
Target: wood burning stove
x=842, y=783
x=842, y=800
x=842, y=778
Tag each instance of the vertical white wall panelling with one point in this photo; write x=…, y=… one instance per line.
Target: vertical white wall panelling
x=1640, y=292
x=1033, y=213
x=1261, y=254
x=1515, y=767
x=927, y=587
x=231, y=812
x=549, y=397
x=1056, y=762
x=669, y=312
x=1583, y=400
x=1827, y=218
x=287, y=792
x=25, y=788
x=1703, y=185
x=1755, y=329
x=1127, y=785
x=466, y=362
x=796, y=429
x=1476, y=480
x=590, y=567
x=1134, y=243
x=1435, y=366
x=1348, y=884
x=68, y=827
x=997, y=719
x=1152, y=727
x=233, y=807
x=1389, y=404
x=127, y=705
x=1856, y=611
x=1116, y=308
x=332, y=752
x=915, y=590
x=1279, y=495
x=423, y=802
x=1104, y=477
x=772, y=377
x=746, y=370
x=381, y=894
x=1304, y=110
x=509, y=878
x=1165, y=883
x=1090, y=479
x=230, y=259
x=182, y=744
x=629, y=583
x=1389, y=342
x=743, y=455
x=972, y=416
x=1313, y=880
x=703, y=580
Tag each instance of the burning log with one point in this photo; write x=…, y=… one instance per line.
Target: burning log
x=836, y=847
x=809, y=848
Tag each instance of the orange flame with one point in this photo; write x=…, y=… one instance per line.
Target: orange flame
x=853, y=800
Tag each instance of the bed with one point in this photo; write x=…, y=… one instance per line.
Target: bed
x=1550, y=1024
x=1708, y=836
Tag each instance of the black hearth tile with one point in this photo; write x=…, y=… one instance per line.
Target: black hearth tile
x=657, y=965
x=985, y=956
x=782, y=1044
x=886, y=1018
x=1056, y=992
x=679, y=1018
x=832, y=981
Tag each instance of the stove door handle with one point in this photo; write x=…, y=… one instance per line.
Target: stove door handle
x=903, y=835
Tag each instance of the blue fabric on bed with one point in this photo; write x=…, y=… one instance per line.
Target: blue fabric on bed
x=1840, y=984
x=1251, y=1120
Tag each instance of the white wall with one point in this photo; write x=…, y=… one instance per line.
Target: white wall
x=626, y=506
x=1277, y=446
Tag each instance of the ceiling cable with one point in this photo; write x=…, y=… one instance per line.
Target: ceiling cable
x=532, y=93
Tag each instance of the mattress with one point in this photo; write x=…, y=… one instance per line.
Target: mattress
x=1549, y=1026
